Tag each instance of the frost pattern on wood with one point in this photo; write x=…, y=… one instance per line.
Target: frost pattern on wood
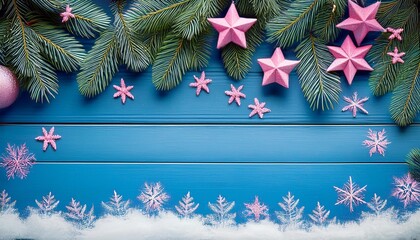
x=186, y=207
x=319, y=215
x=350, y=195
x=377, y=205
x=77, y=213
x=221, y=212
x=377, y=142
x=153, y=197
x=407, y=190
x=116, y=206
x=47, y=204
x=17, y=161
x=290, y=214
x=256, y=210
x=6, y=203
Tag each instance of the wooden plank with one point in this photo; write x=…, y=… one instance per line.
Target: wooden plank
x=181, y=105
x=212, y=143
x=93, y=183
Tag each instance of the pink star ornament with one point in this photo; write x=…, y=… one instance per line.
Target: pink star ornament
x=123, y=91
x=232, y=28
x=201, y=83
x=277, y=68
x=361, y=20
x=349, y=58
x=48, y=138
x=396, y=56
x=66, y=15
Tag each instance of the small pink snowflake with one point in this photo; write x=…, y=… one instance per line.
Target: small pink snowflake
x=201, y=83
x=256, y=209
x=153, y=196
x=235, y=94
x=355, y=104
x=396, y=56
x=48, y=138
x=377, y=142
x=17, y=161
x=258, y=108
x=351, y=194
x=123, y=91
x=406, y=189
x=396, y=33
x=66, y=15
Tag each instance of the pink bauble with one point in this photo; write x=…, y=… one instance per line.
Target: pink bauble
x=9, y=87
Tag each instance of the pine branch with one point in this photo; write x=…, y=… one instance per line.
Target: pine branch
x=328, y=17
x=89, y=19
x=99, y=66
x=193, y=20
x=266, y=9
x=154, y=42
x=155, y=16
x=321, y=89
x=387, y=9
x=4, y=29
x=200, y=50
x=133, y=52
x=405, y=102
x=62, y=50
x=293, y=24
x=413, y=160
x=47, y=5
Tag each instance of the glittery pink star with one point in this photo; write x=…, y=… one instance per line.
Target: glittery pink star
x=361, y=20
x=396, y=56
x=201, y=83
x=258, y=108
x=396, y=33
x=48, y=138
x=277, y=68
x=349, y=58
x=235, y=94
x=232, y=28
x=123, y=91
x=355, y=104
x=66, y=15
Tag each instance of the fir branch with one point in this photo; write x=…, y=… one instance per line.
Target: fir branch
x=327, y=19
x=47, y=5
x=89, y=19
x=193, y=20
x=133, y=51
x=62, y=50
x=155, y=16
x=154, y=42
x=200, y=52
x=266, y=9
x=405, y=102
x=387, y=9
x=4, y=29
x=413, y=160
x=99, y=66
x=293, y=24
x=321, y=89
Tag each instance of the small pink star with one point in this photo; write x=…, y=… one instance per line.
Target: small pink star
x=235, y=94
x=66, y=15
x=48, y=138
x=396, y=57
x=258, y=108
x=396, y=33
x=355, y=104
x=123, y=91
x=201, y=83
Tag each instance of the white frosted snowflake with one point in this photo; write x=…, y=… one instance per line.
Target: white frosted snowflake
x=153, y=196
x=351, y=194
x=291, y=214
x=407, y=190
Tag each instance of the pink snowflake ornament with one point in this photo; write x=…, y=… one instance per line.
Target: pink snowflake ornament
x=153, y=196
x=350, y=195
x=66, y=15
x=256, y=209
x=48, y=138
x=17, y=161
x=395, y=33
x=235, y=94
x=396, y=56
x=361, y=20
x=377, y=142
x=201, y=83
x=123, y=91
x=355, y=104
x=407, y=190
x=232, y=28
x=258, y=108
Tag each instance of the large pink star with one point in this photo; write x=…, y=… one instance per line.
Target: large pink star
x=361, y=20
x=48, y=138
x=277, y=68
x=349, y=58
x=232, y=28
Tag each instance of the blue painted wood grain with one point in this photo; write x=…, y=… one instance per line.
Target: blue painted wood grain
x=212, y=143
x=92, y=184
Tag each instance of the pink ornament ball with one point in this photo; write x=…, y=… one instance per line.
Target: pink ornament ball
x=9, y=87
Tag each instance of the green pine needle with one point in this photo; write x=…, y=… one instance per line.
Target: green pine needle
x=99, y=66
x=4, y=27
x=292, y=25
x=321, y=89
x=266, y=9
x=48, y=5
x=413, y=160
x=327, y=19
x=89, y=19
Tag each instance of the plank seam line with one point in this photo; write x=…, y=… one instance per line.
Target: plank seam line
x=216, y=163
